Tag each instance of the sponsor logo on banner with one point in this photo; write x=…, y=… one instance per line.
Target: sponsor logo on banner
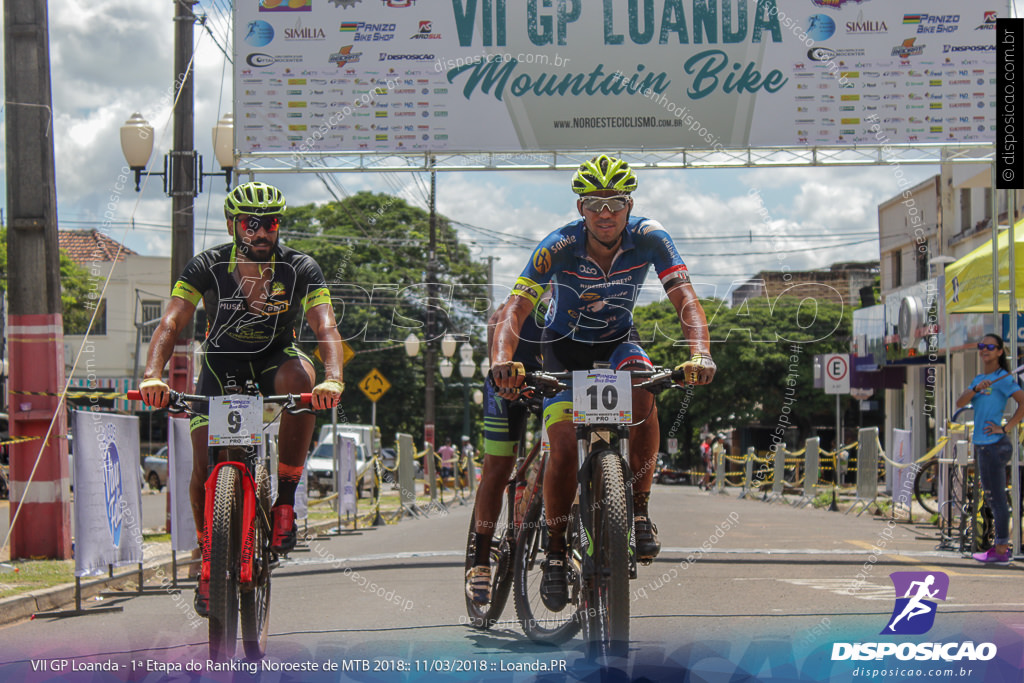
x=827, y=54
x=390, y=57
x=367, y=32
x=259, y=33
x=968, y=48
x=304, y=33
x=344, y=56
x=834, y=4
x=426, y=32
x=933, y=23
x=907, y=48
x=820, y=27
x=113, y=490
x=262, y=59
x=399, y=4
x=864, y=27
x=286, y=5
x=990, y=22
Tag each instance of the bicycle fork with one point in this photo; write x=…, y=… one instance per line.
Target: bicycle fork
x=248, y=527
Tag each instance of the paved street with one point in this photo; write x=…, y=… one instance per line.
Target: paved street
x=775, y=587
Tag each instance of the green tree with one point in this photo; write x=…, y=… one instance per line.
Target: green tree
x=764, y=352
x=74, y=285
x=373, y=251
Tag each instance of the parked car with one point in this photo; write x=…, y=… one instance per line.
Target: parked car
x=154, y=468
x=320, y=468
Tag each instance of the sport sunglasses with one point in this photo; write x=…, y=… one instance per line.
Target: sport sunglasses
x=254, y=223
x=991, y=347
x=597, y=204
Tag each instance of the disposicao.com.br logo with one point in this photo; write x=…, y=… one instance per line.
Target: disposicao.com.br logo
x=914, y=614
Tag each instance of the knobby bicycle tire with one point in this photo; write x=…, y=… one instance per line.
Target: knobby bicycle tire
x=607, y=614
x=926, y=488
x=225, y=547
x=539, y=623
x=255, y=599
x=502, y=551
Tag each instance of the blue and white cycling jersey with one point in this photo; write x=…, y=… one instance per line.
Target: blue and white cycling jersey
x=587, y=303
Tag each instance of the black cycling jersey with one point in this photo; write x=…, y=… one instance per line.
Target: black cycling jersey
x=233, y=326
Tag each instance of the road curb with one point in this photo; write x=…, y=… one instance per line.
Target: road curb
x=24, y=605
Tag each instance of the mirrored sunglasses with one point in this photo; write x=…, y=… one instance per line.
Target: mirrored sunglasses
x=991, y=347
x=254, y=223
x=597, y=204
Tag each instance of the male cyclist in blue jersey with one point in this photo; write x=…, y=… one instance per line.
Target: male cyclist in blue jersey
x=597, y=265
x=254, y=291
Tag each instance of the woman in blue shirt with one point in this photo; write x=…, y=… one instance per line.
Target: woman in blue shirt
x=988, y=393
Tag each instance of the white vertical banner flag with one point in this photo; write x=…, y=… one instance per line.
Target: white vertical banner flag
x=108, y=497
x=179, y=475
x=345, y=451
x=903, y=477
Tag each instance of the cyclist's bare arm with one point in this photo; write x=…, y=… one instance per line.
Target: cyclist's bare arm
x=177, y=317
x=508, y=375
x=321, y=321
x=327, y=394
x=694, y=325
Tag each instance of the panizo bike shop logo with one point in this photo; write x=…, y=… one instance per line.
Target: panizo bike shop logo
x=113, y=490
x=914, y=612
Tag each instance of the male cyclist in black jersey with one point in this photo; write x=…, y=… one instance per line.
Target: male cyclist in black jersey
x=254, y=291
x=596, y=266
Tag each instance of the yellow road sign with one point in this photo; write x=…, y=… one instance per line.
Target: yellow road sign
x=346, y=353
x=374, y=385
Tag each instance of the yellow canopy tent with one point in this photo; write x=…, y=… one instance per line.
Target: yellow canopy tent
x=969, y=279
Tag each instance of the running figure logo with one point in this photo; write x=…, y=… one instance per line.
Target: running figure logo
x=914, y=613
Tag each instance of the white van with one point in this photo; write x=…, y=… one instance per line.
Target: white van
x=362, y=431
x=320, y=464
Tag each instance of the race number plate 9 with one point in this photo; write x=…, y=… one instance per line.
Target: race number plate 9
x=236, y=420
x=601, y=397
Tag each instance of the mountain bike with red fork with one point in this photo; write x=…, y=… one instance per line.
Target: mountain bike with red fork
x=237, y=558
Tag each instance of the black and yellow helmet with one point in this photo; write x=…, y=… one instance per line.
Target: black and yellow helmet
x=604, y=173
x=255, y=199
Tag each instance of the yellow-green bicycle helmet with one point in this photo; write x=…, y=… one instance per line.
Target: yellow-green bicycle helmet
x=254, y=199
x=604, y=173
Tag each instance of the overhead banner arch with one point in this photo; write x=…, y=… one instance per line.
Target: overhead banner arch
x=410, y=77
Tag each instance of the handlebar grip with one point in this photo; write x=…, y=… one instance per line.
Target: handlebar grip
x=134, y=395
x=306, y=398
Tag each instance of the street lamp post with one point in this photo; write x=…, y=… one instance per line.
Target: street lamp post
x=182, y=176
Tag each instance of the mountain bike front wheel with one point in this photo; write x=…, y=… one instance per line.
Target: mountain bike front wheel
x=225, y=548
x=607, y=591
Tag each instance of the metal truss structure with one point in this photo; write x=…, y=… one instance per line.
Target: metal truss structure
x=760, y=157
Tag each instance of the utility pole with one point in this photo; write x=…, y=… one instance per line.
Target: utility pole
x=40, y=512
x=430, y=357
x=182, y=181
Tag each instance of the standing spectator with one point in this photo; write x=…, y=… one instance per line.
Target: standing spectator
x=447, y=454
x=717, y=451
x=705, y=456
x=988, y=393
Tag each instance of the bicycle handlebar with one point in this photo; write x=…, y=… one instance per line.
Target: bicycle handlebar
x=548, y=384
x=179, y=400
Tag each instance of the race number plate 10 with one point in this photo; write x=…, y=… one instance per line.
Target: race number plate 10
x=236, y=420
x=601, y=397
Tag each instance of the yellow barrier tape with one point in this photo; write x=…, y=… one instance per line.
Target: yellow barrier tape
x=20, y=439
x=77, y=394
x=939, y=445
